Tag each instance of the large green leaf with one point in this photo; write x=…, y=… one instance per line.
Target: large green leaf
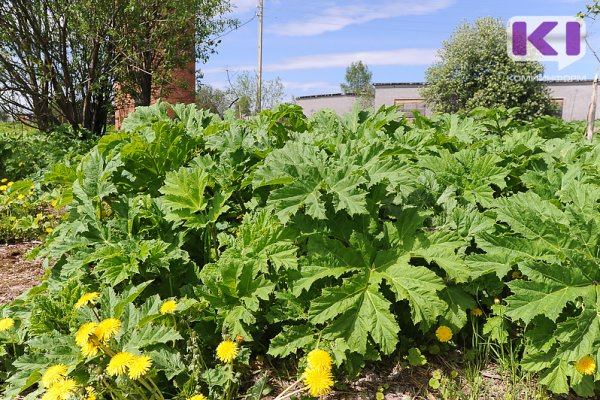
x=419, y=286
x=361, y=311
x=547, y=293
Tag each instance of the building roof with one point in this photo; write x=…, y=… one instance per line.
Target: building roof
x=548, y=81
x=399, y=84
x=418, y=84
x=316, y=96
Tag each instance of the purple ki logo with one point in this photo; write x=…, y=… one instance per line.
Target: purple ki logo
x=547, y=39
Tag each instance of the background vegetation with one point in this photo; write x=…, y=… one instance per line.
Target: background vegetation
x=474, y=69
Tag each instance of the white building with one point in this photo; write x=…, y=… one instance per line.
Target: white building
x=573, y=98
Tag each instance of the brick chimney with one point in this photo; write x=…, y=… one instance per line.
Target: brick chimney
x=182, y=89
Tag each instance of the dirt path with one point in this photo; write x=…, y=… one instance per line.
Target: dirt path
x=17, y=274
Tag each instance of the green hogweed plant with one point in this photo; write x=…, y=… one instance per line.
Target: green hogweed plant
x=361, y=236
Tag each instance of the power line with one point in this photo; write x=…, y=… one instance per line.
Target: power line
x=236, y=28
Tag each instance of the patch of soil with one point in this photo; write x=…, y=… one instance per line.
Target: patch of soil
x=393, y=381
x=17, y=274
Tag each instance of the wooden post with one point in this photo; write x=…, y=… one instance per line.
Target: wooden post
x=259, y=72
x=592, y=111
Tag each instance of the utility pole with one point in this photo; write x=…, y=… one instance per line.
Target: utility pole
x=259, y=72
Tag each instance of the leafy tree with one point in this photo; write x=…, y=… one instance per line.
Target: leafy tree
x=153, y=38
x=358, y=82
x=60, y=59
x=212, y=99
x=474, y=69
x=55, y=61
x=243, y=93
x=592, y=10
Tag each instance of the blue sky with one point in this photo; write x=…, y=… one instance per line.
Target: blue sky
x=309, y=43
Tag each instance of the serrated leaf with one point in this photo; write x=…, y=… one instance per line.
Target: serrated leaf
x=555, y=378
x=288, y=200
x=149, y=335
x=554, y=286
x=577, y=336
x=185, y=194
x=419, y=286
x=345, y=187
x=259, y=389
x=361, y=311
x=168, y=360
x=290, y=340
x=94, y=177
x=458, y=302
x=496, y=329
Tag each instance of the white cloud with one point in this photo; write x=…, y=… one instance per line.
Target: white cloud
x=231, y=69
x=417, y=56
x=242, y=6
x=406, y=57
x=357, y=12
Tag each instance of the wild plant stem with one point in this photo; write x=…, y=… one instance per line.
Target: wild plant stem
x=139, y=390
x=156, y=389
x=115, y=395
x=292, y=393
x=279, y=397
x=95, y=312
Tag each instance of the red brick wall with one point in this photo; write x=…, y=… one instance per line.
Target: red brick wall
x=181, y=90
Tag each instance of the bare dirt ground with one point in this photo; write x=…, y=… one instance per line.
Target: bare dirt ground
x=17, y=274
x=390, y=381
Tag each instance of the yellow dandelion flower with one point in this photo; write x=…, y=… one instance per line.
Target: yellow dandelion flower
x=168, y=307
x=139, y=366
x=107, y=329
x=4, y=180
x=476, y=312
x=443, y=333
x=87, y=298
x=119, y=363
x=318, y=381
x=586, y=365
x=319, y=359
x=62, y=390
x=85, y=339
x=197, y=397
x=90, y=393
x=84, y=332
x=54, y=374
x=39, y=215
x=20, y=197
x=49, y=230
x=54, y=203
x=21, y=164
x=227, y=351
x=6, y=324
x=89, y=349
x=9, y=184
x=3, y=188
